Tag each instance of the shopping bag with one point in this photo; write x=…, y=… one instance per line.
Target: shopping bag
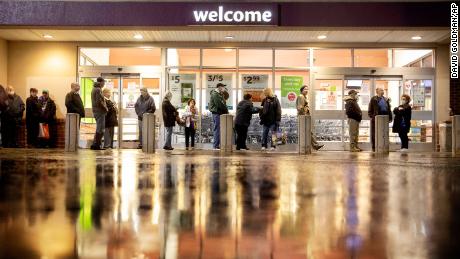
x=44, y=131
x=279, y=137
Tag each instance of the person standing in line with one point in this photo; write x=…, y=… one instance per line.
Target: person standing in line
x=217, y=106
x=270, y=117
x=111, y=119
x=244, y=112
x=144, y=104
x=100, y=110
x=401, y=125
x=73, y=101
x=354, y=114
x=33, y=112
x=190, y=115
x=304, y=109
x=12, y=118
x=378, y=105
x=48, y=117
x=170, y=116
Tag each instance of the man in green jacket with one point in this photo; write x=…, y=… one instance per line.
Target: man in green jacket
x=217, y=106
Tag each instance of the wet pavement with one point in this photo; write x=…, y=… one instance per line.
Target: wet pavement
x=125, y=204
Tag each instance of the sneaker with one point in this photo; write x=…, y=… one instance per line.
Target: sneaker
x=168, y=148
x=318, y=147
x=272, y=148
x=263, y=148
x=404, y=150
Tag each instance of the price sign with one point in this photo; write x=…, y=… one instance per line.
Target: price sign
x=254, y=84
x=182, y=87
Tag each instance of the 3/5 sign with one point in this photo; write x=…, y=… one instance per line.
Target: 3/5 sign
x=214, y=78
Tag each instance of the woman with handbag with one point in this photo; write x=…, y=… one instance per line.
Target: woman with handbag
x=401, y=123
x=170, y=116
x=190, y=123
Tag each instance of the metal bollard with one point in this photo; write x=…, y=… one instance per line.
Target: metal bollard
x=72, y=131
x=148, y=133
x=456, y=134
x=304, y=134
x=226, y=133
x=382, y=136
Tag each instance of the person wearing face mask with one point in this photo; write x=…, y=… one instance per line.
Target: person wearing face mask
x=144, y=104
x=11, y=118
x=379, y=105
x=354, y=114
x=33, y=112
x=401, y=125
x=48, y=117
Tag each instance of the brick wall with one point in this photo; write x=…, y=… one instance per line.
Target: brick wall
x=60, y=137
x=455, y=96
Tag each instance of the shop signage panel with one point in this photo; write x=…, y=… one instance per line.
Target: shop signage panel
x=182, y=87
x=254, y=84
x=211, y=82
x=290, y=87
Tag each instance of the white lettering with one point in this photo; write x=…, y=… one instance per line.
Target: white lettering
x=453, y=40
x=232, y=16
x=213, y=16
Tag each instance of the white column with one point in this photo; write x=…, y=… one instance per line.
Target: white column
x=72, y=131
x=148, y=133
x=456, y=134
x=304, y=134
x=382, y=138
x=226, y=133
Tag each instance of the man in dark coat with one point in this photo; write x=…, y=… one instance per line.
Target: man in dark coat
x=99, y=111
x=73, y=101
x=379, y=105
x=244, y=112
x=355, y=116
x=217, y=106
x=33, y=112
x=48, y=117
x=169, y=119
x=12, y=118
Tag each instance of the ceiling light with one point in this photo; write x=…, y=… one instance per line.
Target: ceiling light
x=321, y=37
x=229, y=37
x=148, y=49
x=417, y=37
x=228, y=50
x=138, y=37
x=47, y=36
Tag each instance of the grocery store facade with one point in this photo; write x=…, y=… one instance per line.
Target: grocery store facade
x=187, y=48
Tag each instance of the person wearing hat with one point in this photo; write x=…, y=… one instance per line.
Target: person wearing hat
x=354, y=114
x=217, y=106
x=100, y=110
x=144, y=104
x=303, y=109
x=48, y=117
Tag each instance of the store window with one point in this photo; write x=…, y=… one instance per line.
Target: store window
x=413, y=58
x=219, y=57
x=292, y=58
x=328, y=130
x=145, y=56
x=420, y=92
x=372, y=58
x=255, y=58
x=183, y=57
x=363, y=86
x=328, y=94
x=332, y=57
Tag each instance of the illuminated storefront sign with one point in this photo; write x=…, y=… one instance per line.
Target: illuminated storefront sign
x=236, y=16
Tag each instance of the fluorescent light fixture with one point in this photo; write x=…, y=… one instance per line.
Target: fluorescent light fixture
x=138, y=37
x=47, y=36
x=417, y=37
x=228, y=50
x=148, y=49
x=229, y=37
x=321, y=37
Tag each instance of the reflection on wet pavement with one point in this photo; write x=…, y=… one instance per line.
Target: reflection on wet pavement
x=125, y=204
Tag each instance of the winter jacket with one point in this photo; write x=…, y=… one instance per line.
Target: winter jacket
x=48, y=110
x=190, y=117
x=33, y=109
x=98, y=101
x=302, y=105
x=74, y=104
x=169, y=113
x=144, y=105
x=3, y=97
x=270, y=112
x=244, y=112
x=217, y=104
x=352, y=109
x=402, y=118
x=15, y=108
x=111, y=119
x=374, y=108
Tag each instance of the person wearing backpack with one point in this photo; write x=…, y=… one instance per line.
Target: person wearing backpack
x=270, y=117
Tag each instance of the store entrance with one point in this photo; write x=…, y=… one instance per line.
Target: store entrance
x=330, y=121
x=125, y=88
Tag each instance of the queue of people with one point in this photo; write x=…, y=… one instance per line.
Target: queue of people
x=41, y=122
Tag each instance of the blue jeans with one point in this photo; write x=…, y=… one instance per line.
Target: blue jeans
x=216, y=120
x=169, y=131
x=271, y=128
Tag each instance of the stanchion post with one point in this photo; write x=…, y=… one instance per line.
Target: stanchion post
x=72, y=131
x=226, y=133
x=456, y=134
x=382, y=137
x=304, y=134
x=148, y=133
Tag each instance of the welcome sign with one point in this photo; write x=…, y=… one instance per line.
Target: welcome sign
x=234, y=14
